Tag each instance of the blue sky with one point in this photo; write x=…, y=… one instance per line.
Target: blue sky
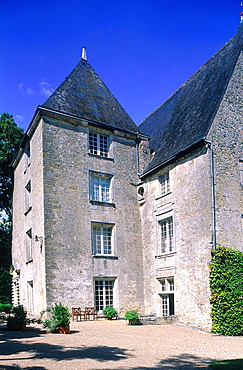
x=143, y=50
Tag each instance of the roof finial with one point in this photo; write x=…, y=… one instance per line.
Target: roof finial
x=241, y=13
x=84, y=53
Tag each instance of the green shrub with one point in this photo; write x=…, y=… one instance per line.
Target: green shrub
x=5, y=307
x=110, y=312
x=60, y=317
x=226, y=283
x=17, y=318
x=132, y=317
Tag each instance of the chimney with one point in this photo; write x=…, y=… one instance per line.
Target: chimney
x=84, y=54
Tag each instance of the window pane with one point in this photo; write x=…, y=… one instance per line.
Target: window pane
x=103, y=146
x=100, y=189
x=93, y=143
x=107, y=240
x=167, y=242
x=102, y=240
x=97, y=240
x=165, y=305
x=103, y=294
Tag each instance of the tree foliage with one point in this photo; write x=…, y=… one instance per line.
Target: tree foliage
x=226, y=282
x=10, y=138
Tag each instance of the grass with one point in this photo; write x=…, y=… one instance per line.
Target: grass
x=227, y=365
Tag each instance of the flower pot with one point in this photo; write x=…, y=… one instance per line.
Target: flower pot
x=62, y=329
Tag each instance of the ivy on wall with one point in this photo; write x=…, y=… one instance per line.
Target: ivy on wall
x=226, y=283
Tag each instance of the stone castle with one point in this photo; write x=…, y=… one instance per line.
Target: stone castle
x=108, y=213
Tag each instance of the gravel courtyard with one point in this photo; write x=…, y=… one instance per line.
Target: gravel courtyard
x=103, y=344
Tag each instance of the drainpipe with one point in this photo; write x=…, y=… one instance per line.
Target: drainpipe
x=210, y=146
x=137, y=156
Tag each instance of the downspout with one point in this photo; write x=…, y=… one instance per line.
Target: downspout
x=210, y=146
x=137, y=155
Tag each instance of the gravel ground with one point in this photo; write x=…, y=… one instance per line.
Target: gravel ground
x=106, y=344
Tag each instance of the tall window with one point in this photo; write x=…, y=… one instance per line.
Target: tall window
x=164, y=183
x=103, y=294
x=100, y=188
x=28, y=246
x=167, y=286
x=167, y=240
x=102, y=239
x=98, y=144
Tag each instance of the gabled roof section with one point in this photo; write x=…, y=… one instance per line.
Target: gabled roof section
x=186, y=117
x=84, y=95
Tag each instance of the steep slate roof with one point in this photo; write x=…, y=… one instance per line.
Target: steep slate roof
x=186, y=117
x=84, y=95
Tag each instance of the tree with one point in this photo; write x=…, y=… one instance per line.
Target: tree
x=10, y=138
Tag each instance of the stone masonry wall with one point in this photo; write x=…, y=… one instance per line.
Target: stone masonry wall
x=189, y=203
x=227, y=138
x=70, y=266
x=28, y=215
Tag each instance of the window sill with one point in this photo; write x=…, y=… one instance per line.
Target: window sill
x=162, y=196
x=165, y=254
x=97, y=203
x=105, y=256
x=101, y=157
x=28, y=210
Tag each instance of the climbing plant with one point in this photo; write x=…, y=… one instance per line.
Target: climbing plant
x=226, y=282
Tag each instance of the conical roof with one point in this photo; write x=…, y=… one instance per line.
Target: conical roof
x=84, y=95
x=186, y=117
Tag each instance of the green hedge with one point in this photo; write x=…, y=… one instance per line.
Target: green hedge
x=226, y=282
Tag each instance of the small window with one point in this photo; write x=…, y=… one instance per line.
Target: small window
x=30, y=296
x=28, y=246
x=104, y=292
x=164, y=183
x=102, y=239
x=100, y=188
x=27, y=197
x=98, y=144
x=167, y=238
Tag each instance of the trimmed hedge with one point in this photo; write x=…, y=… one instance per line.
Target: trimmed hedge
x=226, y=283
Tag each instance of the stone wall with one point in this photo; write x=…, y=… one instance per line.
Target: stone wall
x=189, y=203
x=70, y=265
x=226, y=134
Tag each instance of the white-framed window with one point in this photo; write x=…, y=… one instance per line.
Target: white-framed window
x=164, y=183
x=100, y=188
x=167, y=235
x=28, y=246
x=104, y=294
x=98, y=144
x=167, y=296
x=102, y=239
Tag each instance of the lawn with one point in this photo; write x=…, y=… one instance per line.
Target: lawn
x=227, y=365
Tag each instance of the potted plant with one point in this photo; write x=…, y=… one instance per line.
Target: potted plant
x=17, y=318
x=132, y=317
x=59, y=321
x=110, y=312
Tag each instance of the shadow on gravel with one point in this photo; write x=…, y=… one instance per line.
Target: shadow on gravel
x=14, y=343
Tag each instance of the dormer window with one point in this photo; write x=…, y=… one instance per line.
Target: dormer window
x=98, y=144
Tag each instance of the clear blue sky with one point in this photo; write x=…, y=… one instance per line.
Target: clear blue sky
x=142, y=49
